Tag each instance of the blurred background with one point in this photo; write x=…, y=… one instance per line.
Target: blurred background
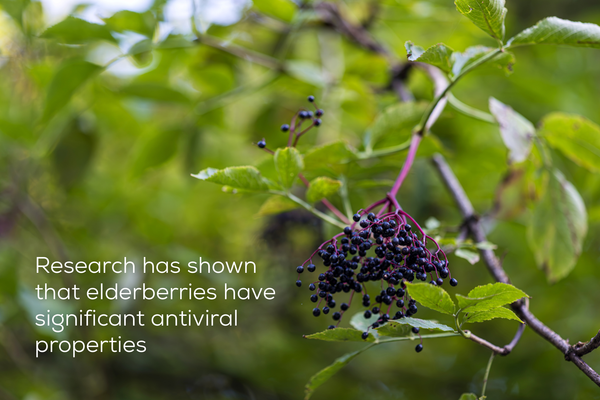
x=104, y=116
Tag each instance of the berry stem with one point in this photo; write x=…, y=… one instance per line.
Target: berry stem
x=412, y=152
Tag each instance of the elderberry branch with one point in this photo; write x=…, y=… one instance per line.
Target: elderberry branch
x=494, y=266
x=582, y=349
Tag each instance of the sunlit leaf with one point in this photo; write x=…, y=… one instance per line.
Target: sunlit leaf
x=499, y=312
x=322, y=187
x=468, y=255
x=487, y=297
x=516, y=131
x=438, y=55
x=463, y=60
x=396, y=327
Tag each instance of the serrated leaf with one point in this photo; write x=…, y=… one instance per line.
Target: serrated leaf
x=553, y=30
x=489, y=296
x=462, y=60
x=558, y=227
x=340, y=335
x=245, y=177
x=288, y=162
x=358, y=321
x=487, y=15
x=66, y=81
x=468, y=255
x=438, y=55
x=277, y=205
x=516, y=131
x=499, y=312
x=468, y=396
x=323, y=375
x=395, y=327
x=433, y=297
x=576, y=137
x=73, y=30
x=398, y=120
x=322, y=187
x=328, y=154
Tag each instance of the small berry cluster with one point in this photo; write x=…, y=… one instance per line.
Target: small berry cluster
x=400, y=256
x=295, y=126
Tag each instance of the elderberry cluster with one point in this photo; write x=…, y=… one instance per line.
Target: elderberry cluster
x=398, y=255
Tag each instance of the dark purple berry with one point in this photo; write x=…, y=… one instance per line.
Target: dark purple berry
x=453, y=282
x=316, y=312
x=415, y=329
x=262, y=144
x=331, y=327
x=300, y=269
x=311, y=267
x=365, y=335
x=319, y=113
x=298, y=283
x=285, y=127
x=419, y=348
x=311, y=98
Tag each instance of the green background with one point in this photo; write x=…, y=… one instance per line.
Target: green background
x=99, y=168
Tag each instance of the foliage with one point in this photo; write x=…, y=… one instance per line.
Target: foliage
x=103, y=121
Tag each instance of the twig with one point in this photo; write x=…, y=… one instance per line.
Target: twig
x=584, y=348
x=496, y=270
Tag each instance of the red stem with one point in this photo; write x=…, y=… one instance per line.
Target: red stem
x=412, y=152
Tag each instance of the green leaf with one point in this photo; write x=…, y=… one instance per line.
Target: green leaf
x=323, y=375
x=430, y=296
x=489, y=296
x=70, y=76
x=245, y=177
x=282, y=9
x=468, y=396
x=321, y=188
x=461, y=61
x=277, y=205
x=398, y=120
x=439, y=55
x=499, y=312
x=328, y=154
x=340, y=335
x=358, y=321
x=487, y=15
x=558, y=227
x=554, y=30
x=516, y=131
x=288, y=162
x=155, y=149
x=73, y=154
x=395, y=327
x=126, y=20
x=576, y=137
x=156, y=92
x=73, y=30
x=468, y=255
x=306, y=71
